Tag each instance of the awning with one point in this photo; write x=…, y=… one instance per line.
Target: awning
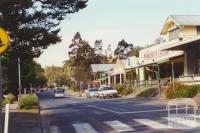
x=182, y=45
x=153, y=63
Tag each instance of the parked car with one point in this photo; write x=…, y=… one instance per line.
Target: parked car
x=91, y=92
x=107, y=91
x=59, y=93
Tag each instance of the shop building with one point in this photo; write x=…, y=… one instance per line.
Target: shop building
x=178, y=58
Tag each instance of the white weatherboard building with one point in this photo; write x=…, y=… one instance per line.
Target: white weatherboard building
x=176, y=58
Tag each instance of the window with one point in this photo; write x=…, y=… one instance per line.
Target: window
x=173, y=34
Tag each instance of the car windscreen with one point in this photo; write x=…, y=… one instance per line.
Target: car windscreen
x=108, y=88
x=59, y=91
x=92, y=89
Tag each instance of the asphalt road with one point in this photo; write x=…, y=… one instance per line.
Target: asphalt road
x=80, y=115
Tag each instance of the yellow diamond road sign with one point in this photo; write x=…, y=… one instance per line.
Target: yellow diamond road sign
x=4, y=40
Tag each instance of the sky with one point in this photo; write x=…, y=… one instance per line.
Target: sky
x=137, y=21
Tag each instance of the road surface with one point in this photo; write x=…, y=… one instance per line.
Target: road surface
x=129, y=115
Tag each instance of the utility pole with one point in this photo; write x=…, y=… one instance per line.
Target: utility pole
x=1, y=99
x=31, y=88
x=19, y=78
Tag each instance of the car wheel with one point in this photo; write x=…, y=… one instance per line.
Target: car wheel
x=100, y=96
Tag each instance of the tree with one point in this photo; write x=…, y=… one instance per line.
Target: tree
x=122, y=49
x=134, y=51
x=56, y=75
x=81, y=52
x=35, y=76
x=32, y=26
x=32, y=74
x=82, y=55
x=98, y=48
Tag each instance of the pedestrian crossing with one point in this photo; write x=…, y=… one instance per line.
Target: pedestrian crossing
x=118, y=126
x=84, y=128
x=152, y=124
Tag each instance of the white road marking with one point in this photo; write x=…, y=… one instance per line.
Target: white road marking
x=54, y=129
x=119, y=126
x=84, y=128
x=152, y=124
x=125, y=112
x=186, y=122
x=101, y=108
x=129, y=112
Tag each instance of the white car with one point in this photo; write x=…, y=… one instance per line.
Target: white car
x=91, y=92
x=59, y=93
x=107, y=91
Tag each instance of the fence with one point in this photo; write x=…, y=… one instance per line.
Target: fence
x=153, y=83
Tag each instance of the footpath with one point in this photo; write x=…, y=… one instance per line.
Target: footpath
x=23, y=121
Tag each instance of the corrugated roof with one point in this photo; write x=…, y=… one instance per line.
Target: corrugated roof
x=101, y=67
x=181, y=20
x=187, y=19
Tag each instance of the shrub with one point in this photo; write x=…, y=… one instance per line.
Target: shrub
x=127, y=90
x=118, y=87
x=10, y=98
x=150, y=92
x=195, y=87
x=5, y=101
x=181, y=91
x=29, y=102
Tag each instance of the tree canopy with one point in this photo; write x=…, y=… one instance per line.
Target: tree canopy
x=122, y=49
x=81, y=53
x=56, y=75
x=32, y=25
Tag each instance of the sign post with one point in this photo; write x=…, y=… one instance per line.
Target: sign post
x=81, y=88
x=4, y=42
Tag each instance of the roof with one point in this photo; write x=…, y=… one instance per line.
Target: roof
x=186, y=20
x=101, y=67
x=116, y=71
x=181, y=20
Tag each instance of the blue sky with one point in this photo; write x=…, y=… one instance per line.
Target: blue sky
x=137, y=21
